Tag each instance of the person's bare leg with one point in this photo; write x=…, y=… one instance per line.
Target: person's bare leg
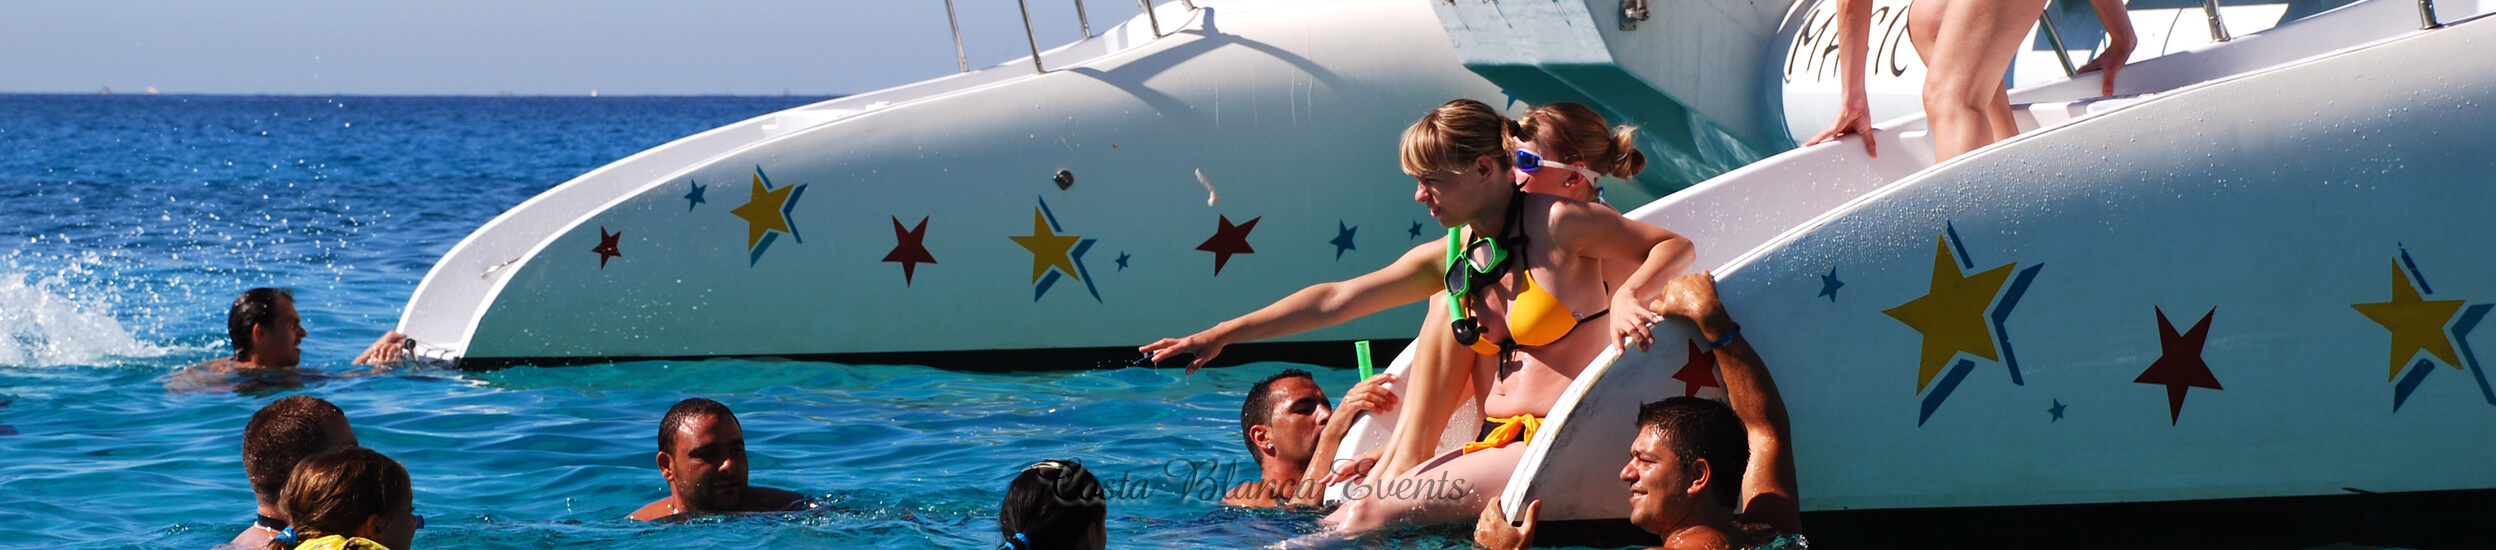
x=1999, y=115
x=1441, y=379
x=1454, y=491
x=1972, y=46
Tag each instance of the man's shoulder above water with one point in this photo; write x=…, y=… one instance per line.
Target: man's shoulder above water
x=757, y=500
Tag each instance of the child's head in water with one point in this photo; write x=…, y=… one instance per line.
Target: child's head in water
x=1053, y=505
x=352, y=493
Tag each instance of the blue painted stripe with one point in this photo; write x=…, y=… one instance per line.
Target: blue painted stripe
x=1053, y=216
x=1943, y=390
x=1954, y=233
x=2472, y=319
x=2402, y=390
x=2003, y=310
x=1081, y=272
x=755, y=255
x=2415, y=269
x=788, y=205
x=1048, y=279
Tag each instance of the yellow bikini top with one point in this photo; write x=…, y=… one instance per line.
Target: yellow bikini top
x=1536, y=317
x=338, y=542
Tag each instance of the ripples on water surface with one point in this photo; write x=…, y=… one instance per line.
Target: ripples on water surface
x=128, y=223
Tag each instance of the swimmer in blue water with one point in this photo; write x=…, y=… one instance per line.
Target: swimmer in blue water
x=283, y=433
x=1702, y=474
x=1287, y=423
x=349, y=499
x=268, y=337
x=1054, y=505
x=702, y=454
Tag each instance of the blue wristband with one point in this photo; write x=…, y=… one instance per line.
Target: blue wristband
x=1723, y=340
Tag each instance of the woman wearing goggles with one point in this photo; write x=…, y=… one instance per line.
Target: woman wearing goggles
x=1523, y=273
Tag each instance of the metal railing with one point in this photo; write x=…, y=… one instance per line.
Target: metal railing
x=1032, y=40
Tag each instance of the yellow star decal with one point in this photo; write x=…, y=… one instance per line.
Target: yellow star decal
x=2417, y=325
x=764, y=211
x=1048, y=249
x=1952, y=314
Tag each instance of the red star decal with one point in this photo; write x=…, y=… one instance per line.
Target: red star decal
x=907, y=248
x=1228, y=240
x=1698, y=372
x=607, y=246
x=2181, y=362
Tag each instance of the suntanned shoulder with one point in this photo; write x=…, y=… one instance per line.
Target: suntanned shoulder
x=767, y=499
x=657, y=509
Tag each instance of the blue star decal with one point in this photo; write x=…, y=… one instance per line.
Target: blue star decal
x=1830, y=284
x=1414, y=232
x=2057, y=410
x=1513, y=99
x=1123, y=260
x=1343, y=240
x=695, y=196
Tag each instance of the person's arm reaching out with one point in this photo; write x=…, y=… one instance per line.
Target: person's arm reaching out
x=1411, y=278
x=1769, y=485
x=1854, y=116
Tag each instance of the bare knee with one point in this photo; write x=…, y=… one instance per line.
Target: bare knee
x=1949, y=96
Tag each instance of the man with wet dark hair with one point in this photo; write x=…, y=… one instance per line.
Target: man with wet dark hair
x=268, y=336
x=1285, y=424
x=702, y=454
x=285, y=432
x=1702, y=474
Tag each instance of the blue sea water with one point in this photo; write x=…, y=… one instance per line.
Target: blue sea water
x=128, y=223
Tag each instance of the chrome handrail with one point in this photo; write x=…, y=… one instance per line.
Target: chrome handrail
x=1028, y=38
x=2056, y=41
x=2428, y=15
x=2211, y=13
x=959, y=58
x=1156, y=21
x=1080, y=20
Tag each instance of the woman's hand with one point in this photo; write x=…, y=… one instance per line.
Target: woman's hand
x=2109, y=61
x=1205, y=345
x=1631, y=322
x=1854, y=118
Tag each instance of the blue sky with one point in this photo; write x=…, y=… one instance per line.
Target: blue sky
x=526, y=47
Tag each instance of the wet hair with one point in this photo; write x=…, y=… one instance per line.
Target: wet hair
x=685, y=411
x=1568, y=132
x=1261, y=401
x=335, y=492
x=283, y=434
x=1053, y=504
x=1697, y=429
x=257, y=306
x=1451, y=136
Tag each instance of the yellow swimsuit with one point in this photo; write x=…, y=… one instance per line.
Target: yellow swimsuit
x=1537, y=317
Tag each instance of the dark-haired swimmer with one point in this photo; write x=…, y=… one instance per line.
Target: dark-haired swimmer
x=1697, y=462
x=1287, y=423
x=1054, y=505
x=268, y=337
x=281, y=434
x=702, y=454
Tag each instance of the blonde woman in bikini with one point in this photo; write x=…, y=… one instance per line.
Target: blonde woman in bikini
x=1527, y=277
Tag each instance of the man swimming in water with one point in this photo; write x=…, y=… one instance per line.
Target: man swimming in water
x=1285, y=424
x=702, y=453
x=268, y=336
x=283, y=433
x=1697, y=462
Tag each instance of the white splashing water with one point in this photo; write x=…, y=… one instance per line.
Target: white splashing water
x=38, y=328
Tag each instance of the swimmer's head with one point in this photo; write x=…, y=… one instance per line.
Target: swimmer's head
x=265, y=329
x=1054, y=505
x=353, y=492
x=1283, y=416
x=1690, y=452
x=1571, y=133
x=283, y=434
x=1452, y=153
x=702, y=453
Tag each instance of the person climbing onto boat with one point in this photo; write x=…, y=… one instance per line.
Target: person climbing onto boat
x=281, y=434
x=1054, y=505
x=268, y=337
x=1286, y=422
x=702, y=454
x=1523, y=269
x=1966, y=45
x=349, y=499
x=1562, y=149
x=1685, y=482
